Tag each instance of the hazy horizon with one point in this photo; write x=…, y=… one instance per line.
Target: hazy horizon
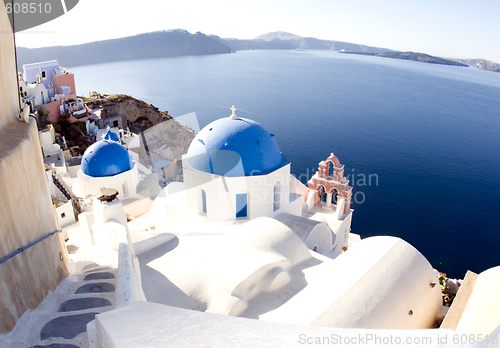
x=450, y=29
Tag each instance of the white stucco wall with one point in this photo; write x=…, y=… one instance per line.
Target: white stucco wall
x=373, y=285
x=90, y=185
x=65, y=214
x=47, y=137
x=39, y=92
x=224, y=272
x=297, y=186
x=73, y=170
x=482, y=314
x=316, y=235
x=261, y=269
x=221, y=194
x=341, y=229
x=110, y=231
x=161, y=326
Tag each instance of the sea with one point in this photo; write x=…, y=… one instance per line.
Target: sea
x=420, y=142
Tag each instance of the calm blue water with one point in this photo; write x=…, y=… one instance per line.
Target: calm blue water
x=429, y=133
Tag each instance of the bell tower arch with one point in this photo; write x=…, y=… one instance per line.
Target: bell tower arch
x=330, y=180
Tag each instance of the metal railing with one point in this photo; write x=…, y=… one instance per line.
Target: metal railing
x=20, y=250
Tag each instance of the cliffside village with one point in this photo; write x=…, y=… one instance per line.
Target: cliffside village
x=163, y=236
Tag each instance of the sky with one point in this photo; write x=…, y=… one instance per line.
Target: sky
x=446, y=28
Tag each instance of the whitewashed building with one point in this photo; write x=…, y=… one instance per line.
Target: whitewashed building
x=235, y=171
x=107, y=163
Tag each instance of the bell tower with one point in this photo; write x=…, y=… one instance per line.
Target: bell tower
x=331, y=187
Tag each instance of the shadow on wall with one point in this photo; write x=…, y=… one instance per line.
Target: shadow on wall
x=270, y=287
x=160, y=289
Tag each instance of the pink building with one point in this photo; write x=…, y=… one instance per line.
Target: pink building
x=47, y=84
x=329, y=184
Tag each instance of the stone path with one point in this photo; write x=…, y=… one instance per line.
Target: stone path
x=60, y=321
x=94, y=294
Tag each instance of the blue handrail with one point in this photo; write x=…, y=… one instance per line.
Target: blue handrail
x=27, y=246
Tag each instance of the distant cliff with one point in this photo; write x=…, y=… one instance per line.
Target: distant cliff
x=481, y=64
x=281, y=40
x=180, y=43
x=418, y=57
x=144, y=46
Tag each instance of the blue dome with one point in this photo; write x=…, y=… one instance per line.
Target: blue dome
x=111, y=135
x=105, y=158
x=235, y=147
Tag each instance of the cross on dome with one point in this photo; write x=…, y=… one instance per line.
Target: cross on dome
x=233, y=115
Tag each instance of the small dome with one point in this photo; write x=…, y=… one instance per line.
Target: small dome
x=105, y=158
x=235, y=147
x=110, y=135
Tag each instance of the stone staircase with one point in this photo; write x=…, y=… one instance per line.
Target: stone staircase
x=81, y=297
x=60, y=321
x=60, y=186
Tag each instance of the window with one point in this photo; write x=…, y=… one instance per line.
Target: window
x=203, y=201
x=63, y=215
x=44, y=74
x=125, y=189
x=331, y=169
x=51, y=85
x=335, y=195
x=277, y=196
x=322, y=194
x=241, y=205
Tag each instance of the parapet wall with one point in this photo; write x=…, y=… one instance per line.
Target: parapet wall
x=158, y=325
x=9, y=96
x=26, y=211
x=26, y=215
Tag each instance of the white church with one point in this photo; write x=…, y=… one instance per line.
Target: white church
x=107, y=163
x=248, y=239
x=240, y=253
x=241, y=237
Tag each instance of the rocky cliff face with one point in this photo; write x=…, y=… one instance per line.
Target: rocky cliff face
x=162, y=137
x=139, y=115
x=168, y=140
